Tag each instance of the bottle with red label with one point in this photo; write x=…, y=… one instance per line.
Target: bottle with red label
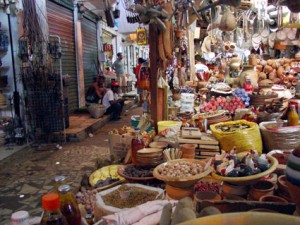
x=137, y=143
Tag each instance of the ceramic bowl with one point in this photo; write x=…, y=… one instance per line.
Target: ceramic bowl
x=272, y=198
x=181, y=182
x=158, y=144
x=248, y=180
x=261, y=188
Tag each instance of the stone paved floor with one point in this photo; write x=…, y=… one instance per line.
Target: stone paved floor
x=27, y=174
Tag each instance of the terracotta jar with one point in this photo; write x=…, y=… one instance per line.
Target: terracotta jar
x=249, y=72
x=272, y=198
x=261, y=188
x=188, y=151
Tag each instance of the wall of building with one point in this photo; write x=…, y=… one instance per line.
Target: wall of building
x=6, y=57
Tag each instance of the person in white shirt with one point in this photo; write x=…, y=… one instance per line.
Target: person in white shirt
x=112, y=102
x=200, y=67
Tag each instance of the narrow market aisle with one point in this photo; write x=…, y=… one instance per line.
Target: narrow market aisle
x=27, y=174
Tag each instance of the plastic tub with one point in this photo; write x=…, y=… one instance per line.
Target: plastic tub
x=162, y=125
x=135, y=119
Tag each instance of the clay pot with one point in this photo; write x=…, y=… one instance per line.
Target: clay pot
x=277, y=80
x=287, y=61
x=249, y=72
x=272, y=75
x=262, y=76
x=179, y=193
x=259, y=68
x=274, y=65
x=252, y=60
x=280, y=71
x=231, y=189
x=261, y=188
x=285, y=80
x=283, y=189
x=287, y=67
x=188, y=151
x=268, y=69
x=207, y=195
x=294, y=192
x=281, y=61
x=270, y=62
x=228, y=21
x=291, y=77
x=272, y=198
x=295, y=81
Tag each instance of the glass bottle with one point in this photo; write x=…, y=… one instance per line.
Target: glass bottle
x=68, y=205
x=201, y=124
x=192, y=123
x=20, y=218
x=52, y=214
x=183, y=124
x=293, y=118
x=59, y=180
x=137, y=143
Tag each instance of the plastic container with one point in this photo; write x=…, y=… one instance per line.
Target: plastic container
x=20, y=218
x=135, y=119
x=52, y=213
x=162, y=125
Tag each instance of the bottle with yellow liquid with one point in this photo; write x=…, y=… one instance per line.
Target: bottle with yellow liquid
x=293, y=117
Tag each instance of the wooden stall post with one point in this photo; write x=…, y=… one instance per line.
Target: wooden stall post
x=156, y=110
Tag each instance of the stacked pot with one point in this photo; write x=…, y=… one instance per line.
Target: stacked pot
x=277, y=71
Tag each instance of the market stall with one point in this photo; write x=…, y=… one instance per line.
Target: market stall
x=212, y=136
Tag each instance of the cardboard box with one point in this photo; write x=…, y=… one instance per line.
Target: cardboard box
x=119, y=145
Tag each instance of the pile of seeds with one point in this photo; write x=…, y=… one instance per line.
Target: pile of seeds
x=137, y=196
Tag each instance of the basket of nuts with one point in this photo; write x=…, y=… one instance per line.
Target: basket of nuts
x=182, y=173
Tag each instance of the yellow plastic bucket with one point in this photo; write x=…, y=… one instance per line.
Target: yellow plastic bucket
x=162, y=125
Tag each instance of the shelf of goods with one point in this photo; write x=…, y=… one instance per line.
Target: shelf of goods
x=207, y=145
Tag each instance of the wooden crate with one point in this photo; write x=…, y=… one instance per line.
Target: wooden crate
x=207, y=145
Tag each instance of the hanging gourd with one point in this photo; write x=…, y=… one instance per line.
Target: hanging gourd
x=228, y=21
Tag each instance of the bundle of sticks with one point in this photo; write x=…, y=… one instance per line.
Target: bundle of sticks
x=172, y=153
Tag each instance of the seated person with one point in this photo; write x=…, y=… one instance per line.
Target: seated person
x=96, y=91
x=112, y=102
x=93, y=95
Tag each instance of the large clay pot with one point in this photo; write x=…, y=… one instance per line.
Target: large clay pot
x=248, y=71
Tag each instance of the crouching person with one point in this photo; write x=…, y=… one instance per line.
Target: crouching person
x=112, y=102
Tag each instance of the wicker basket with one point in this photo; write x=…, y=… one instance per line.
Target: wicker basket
x=282, y=138
x=96, y=110
x=260, y=100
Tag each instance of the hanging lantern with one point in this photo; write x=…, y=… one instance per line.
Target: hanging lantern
x=141, y=34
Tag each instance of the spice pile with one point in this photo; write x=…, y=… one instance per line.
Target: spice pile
x=137, y=196
x=180, y=169
x=138, y=171
x=207, y=186
x=232, y=128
